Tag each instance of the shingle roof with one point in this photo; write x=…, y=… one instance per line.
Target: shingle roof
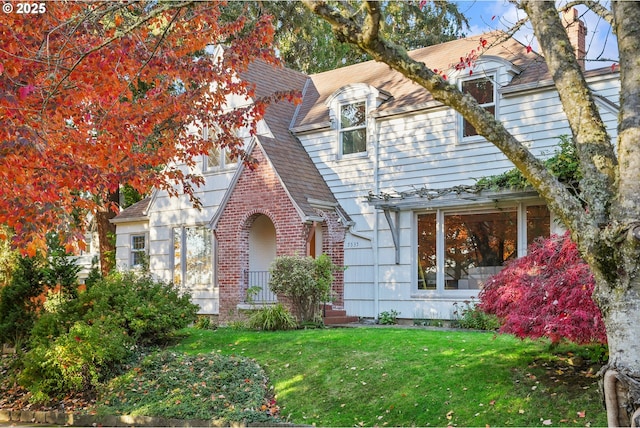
x=135, y=212
x=404, y=92
x=295, y=168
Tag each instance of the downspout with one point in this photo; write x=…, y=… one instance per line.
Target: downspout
x=374, y=241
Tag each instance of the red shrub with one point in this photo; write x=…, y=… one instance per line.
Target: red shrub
x=546, y=294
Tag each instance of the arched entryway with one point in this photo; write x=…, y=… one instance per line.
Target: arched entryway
x=262, y=251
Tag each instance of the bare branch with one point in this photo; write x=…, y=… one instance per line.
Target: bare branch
x=595, y=7
x=119, y=34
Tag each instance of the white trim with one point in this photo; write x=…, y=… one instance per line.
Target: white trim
x=492, y=76
x=520, y=208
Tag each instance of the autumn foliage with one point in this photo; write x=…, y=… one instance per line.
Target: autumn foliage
x=546, y=294
x=98, y=94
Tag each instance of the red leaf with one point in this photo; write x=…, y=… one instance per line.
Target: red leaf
x=1, y=69
x=25, y=91
x=529, y=49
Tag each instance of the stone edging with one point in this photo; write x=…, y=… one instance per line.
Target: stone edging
x=80, y=420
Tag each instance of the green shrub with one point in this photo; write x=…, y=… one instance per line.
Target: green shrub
x=471, y=316
x=305, y=281
x=388, y=317
x=88, y=338
x=182, y=386
x=272, y=318
x=18, y=304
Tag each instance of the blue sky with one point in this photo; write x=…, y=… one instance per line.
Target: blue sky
x=600, y=42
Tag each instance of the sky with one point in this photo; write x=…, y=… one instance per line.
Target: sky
x=487, y=15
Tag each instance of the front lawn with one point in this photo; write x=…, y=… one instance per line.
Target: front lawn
x=403, y=377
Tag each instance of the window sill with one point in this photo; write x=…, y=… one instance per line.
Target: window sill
x=444, y=294
x=352, y=156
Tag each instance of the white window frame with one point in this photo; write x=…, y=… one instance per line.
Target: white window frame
x=520, y=209
x=133, y=251
x=342, y=130
x=184, y=253
x=492, y=77
x=223, y=156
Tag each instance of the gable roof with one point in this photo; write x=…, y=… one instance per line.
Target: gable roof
x=296, y=170
x=405, y=93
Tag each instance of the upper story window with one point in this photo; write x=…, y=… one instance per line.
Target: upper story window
x=483, y=90
x=353, y=128
x=218, y=157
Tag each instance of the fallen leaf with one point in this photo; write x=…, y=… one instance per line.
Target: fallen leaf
x=450, y=414
x=582, y=414
x=546, y=422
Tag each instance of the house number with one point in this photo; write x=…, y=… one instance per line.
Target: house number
x=353, y=244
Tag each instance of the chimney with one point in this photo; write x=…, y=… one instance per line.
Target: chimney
x=577, y=32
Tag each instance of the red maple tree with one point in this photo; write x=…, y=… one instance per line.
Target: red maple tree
x=97, y=94
x=546, y=294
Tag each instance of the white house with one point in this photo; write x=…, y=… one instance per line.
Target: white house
x=372, y=171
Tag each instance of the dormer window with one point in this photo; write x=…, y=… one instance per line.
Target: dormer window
x=483, y=90
x=353, y=128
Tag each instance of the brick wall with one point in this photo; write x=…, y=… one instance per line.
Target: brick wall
x=256, y=193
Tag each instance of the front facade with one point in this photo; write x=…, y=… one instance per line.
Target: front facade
x=372, y=171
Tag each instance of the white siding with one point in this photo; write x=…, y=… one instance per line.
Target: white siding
x=416, y=150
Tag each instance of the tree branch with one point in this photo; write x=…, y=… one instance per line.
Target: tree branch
x=561, y=201
x=598, y=162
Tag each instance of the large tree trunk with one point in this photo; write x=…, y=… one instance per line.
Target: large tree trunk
x=107, y=233
x=621, y=381
x=605, y=219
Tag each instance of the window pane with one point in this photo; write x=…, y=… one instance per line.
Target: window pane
x=198, y=257
x=228, y=158
x=480, y=89
x=213, y=160
x=427, y=252
x=177, y=256
x=137, y=242
x=354, y=141
x=476, y=247
x=352, y=115
x=538, y=222
x=469, y=130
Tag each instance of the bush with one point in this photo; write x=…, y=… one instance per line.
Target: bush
x=546, y=294
x=207, y=387
x=19, y=304
x=305, y=281
x=88, y=338
x=472, y=317
x=388, y=317
x=272, y=318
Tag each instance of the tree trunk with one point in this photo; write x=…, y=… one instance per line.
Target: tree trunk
x=107, y=233
x=621, y=380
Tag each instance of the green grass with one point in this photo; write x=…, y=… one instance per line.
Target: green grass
x=405, y=377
